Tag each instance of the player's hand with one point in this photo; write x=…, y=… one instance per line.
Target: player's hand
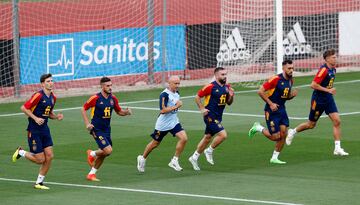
x=274, y=107
x=128, y=111
x=294, y=93
x=59, y=116
x=204, y=111
x=178, y=103
x=39, y=121
x=89, y=126
x=332, y=91
x=231, y=92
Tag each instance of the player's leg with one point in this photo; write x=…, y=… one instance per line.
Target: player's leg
x=104, y=142
x=335, y=118
x=279, y=145
x=157, y=137
x=180, y=145
x=257, y=127
x=314, y=115
x=219, y=138
x=193, y=159
x=44, y=168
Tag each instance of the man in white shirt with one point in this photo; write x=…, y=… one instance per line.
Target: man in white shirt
x=167, y=121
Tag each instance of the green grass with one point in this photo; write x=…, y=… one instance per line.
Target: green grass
x=242, y=170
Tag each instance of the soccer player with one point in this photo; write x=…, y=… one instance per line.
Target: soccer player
x=166, y=122
x=217, y=94
x=102, y=104
x=275, y=92
x=39, y=108
x=322, y=100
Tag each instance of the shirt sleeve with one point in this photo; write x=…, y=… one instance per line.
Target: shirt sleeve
x=320, y=75
x=117, y=107
x=163, y=100
x=91, y=102
x=206, y=90
x=54, y=97
x=271, y=83
x=33, y=101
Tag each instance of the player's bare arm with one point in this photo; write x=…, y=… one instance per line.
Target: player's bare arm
x=88, y=125
x=317, y=86
x=230, y=99
x=202, y=109
x=171, y=108
x=58, y=116
x=124, y=112
x=262, y=93
x=293, y=94
x=29, y=113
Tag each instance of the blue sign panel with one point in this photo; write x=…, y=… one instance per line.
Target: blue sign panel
x=99, y=53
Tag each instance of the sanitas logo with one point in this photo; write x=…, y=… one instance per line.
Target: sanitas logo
x=233, y=48
x=128, y=51
x=295, y=43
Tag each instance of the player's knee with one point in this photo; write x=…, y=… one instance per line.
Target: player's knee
x=337, y=122
x=276, y=137
x=107, y=151
x=311, y=125
x=49, y=156
x=40, y=160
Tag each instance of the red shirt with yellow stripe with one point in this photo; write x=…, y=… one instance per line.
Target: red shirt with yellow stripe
x=215, y=98
x=41, y=106
x=278, y=90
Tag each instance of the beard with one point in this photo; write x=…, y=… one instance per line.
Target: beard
x=108, y=91
x=222, y=81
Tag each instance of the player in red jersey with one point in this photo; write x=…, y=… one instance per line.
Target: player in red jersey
x=39, y=108
x=217, y=95
x=102, y=104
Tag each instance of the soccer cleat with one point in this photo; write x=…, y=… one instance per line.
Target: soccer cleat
x=253, y=129
x=290, y=136
x=194, y=164
x=209, y=156
x=141, y=163
x=16, y=154
x=90, y=159
x=175, y=165
x=276, y=161
x=340, y=152
x=41, y=186
x=92, y=177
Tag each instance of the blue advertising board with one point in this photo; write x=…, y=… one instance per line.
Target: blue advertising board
x=99, y=53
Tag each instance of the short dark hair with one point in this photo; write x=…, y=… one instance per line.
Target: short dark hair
x=328, y=53
x=287, y=61
x=217, y=69
x=104, y=80
x=43, y=77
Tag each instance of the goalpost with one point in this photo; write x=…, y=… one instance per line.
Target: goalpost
x=139, y=43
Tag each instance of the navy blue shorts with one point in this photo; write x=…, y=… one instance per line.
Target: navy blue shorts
x=159, y=135
x=103, y=139
x=317, y=108
x=275, y=119
x=213, y=126
x=38, y=140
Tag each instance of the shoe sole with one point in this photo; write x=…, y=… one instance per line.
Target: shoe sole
x=138, y=166
x=14, y=157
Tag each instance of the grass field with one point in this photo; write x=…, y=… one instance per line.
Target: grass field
x=242, y=173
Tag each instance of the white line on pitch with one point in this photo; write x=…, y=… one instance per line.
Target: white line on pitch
x=185, y=97
x=155, y=192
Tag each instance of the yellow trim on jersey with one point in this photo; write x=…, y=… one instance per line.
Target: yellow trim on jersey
x=206, y=86
x=207, y=100
x=270, y=92
x=321, y=72
x=34, y=97
x=272, y=78
x=313, y=106
x=91, y=98
x=33, y=108
x=92, y=111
